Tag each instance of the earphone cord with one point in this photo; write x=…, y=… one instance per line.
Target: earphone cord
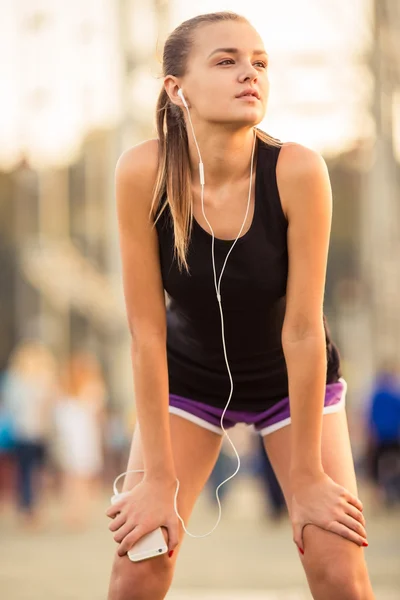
x=217, y=285
x=218, y=292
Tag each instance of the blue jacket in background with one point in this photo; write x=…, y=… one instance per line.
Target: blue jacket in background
x=384, y=418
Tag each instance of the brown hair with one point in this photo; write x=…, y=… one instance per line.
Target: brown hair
x=173, y=182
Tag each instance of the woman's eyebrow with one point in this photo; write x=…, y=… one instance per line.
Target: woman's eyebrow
x=235, y=51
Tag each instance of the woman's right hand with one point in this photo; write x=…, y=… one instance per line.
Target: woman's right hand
x=149, y=505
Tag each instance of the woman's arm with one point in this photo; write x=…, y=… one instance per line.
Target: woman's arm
x=145, y=304
x=307, y=201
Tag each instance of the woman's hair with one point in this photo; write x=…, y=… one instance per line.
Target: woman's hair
x=173, y=183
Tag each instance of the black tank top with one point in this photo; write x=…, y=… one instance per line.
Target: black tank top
x=253, y=291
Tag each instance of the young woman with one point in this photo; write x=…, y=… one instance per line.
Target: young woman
x=272, y=293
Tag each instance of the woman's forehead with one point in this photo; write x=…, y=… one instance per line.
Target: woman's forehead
x=228, y=34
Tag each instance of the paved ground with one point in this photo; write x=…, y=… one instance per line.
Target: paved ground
x=382, y=594
x=247, y=558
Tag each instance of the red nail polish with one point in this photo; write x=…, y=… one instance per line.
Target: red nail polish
x=301, y=550
x=170, y=553
x=365, y=544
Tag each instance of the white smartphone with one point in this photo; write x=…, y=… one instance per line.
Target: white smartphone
x=150, y=545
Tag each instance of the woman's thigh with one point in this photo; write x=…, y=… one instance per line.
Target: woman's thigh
x=327, y=556
x=195, y=451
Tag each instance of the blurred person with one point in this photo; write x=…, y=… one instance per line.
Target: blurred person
x=224, y=467
x=226, y=462
x=383, y=423
x=7, y=446
x=30, y=388
x=79, y=428
x=271, y=299
x=264, y=470
x=116, y=443
x=255, y=463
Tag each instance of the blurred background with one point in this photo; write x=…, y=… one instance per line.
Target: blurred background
x=78, y=85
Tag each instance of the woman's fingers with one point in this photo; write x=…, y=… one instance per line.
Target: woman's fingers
x=130, y=540
x=113, y=510
x=348, y=534
x=125, y=530
x=355, y=513
x=354, y=525
x=173, y=535
x=351, y=499
x=117, y=522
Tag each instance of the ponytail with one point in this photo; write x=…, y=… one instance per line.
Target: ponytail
x=173, y=182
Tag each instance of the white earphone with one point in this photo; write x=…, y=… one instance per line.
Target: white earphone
x=219, y=299
x=182, y=97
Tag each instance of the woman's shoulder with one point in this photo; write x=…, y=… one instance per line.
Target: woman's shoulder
x=135, y=179
x=294, y=162
x=297, y=160
x=301, y=172
x=138, y=163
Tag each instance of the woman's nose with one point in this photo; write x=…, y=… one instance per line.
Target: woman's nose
x=249, y=74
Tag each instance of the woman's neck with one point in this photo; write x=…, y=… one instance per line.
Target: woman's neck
x=226, y=155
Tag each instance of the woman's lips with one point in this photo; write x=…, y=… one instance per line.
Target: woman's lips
x=249, y=93
x=248, y=98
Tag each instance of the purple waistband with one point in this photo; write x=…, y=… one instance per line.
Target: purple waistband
x=278, y=412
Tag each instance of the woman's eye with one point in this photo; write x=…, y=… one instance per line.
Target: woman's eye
x=230, y=61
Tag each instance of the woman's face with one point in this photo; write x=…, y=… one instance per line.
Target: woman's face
x=227, y=60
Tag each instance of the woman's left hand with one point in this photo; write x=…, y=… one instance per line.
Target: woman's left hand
x=318, y=500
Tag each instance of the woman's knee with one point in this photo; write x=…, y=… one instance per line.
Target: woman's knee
x=347, y=580
x=145, y=580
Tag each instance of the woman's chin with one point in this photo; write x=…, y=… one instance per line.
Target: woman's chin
x=250, y=117
x=249, y=120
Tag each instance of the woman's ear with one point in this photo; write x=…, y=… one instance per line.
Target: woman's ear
x=172, y=87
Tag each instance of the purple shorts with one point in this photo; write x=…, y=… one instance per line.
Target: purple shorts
x=264, y=422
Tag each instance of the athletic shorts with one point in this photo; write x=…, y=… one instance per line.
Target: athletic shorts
x=264, y=422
